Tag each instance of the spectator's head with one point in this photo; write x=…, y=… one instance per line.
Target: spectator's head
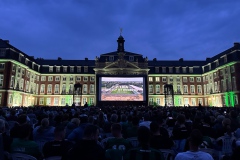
x=2, y=126
x=22, y=119
x=135, y=121
x=75, y=121
x=195, y=139
x=91, y=132
x=143, y=135
x=59, y=132
x=84, y=118
x=13, y=112
x=123, y=118
x=227, y=125
x=181, y=119
x=154, y=127
x=45, y=122
x=114, y=118
x=25, y=131
x=116, y=130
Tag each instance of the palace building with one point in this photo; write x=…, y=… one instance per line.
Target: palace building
x=26, y=81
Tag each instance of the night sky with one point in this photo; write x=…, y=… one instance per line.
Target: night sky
x=165, y=29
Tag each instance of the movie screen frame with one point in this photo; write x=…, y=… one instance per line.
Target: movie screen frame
x=122, y=89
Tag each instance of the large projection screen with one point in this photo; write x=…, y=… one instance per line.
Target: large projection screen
x=122, y=89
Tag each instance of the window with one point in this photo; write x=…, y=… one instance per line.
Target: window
x=185, y=79
x=215, y=86
x=198, y=79
x=170, y=70
x=192, y=88
x=92, y=79
x=158, y=101
x=186, y=103
x=206, y=78
x=23, y=71
x=71, y=69
x=191, y=79
x=185, y=89
x=57, y=69
x=156, y=69
x=232, y=69
x=27, y=86
x=64, y=89
x=131, y=58
x=200, y=101
x=63, y=102
x=157, y=79
x=41, y=101
x=85, y=89
x=214, y=75
x=179, y=89
x=78, y=69
x=21, y=84
x=57, y=78
x=163, y=69
x=91, y=88
x=92, y=101
x=64, y=78
x=177, y=69
x=56, y=88
x=164, y=79
x=225, y=59
x=48, y=101
x=50, y=69
x=150, y=88
x=1, y=80
x=163, y=91
x=49, y=88
x=217, y=63
x=203, y=78
x=190, y=69
x=50, y=78
x=71, y=78
x=234, y=84
x=199, y=88
x=10, y=100
x=85, y=69
x=184, y=69
x=150, y=101
x=2, y=65
x=56, y=101
x=43, y=78
x=2, y=52
x=12, y=82
x=13, y=68
x=170, y=79
x=36, y=89
x=157, y=89
x=236, y=100
x=70, y=88
x=111, y=58
x=85, y=79
x=84, y=100
x=193, y=100
x=78, y=78
x=42, y=88
x=150, y=79
x=64, y=69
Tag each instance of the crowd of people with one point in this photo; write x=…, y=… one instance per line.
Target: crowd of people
x=123, y=132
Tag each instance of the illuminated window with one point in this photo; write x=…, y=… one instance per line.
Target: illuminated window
x=78, y=69
x=49, y=88
x=13, y=68
x=232, y=69
x=48, y=101
x=91, y=88
x=157, y=89
x=179, y=89
x=158, y=101
x=43, y=78
x=198, y=79
x=91, y=101
x=50, y=78
x=64, y=69
x=200, y=101
x=170, y=79
x=192, y=88
x=79, y=78
x=56, y=88
x=178, y=79
x=85, y=79
x=27, y=86
x=164, y=79
x=215, y=86
x=157, y=79
x=12, y=82
x=85, y=88
x=64, y=78
x=41, y=101
x=85, y=69
x=150, y=88
x=56, y=101
x=193, y=100
x=70, y=88
x=71, y=78
x=131, y=58
x=190, y=69
x=63, y=101
x=184, y=69
x=57, y=69
x=191, y=79
x=150, y=101
x=50, y=69
x=186, y=103
x=92, y=79
x=57, y=78
x=150, y=79
x=37, y=89
x=63, y=88
x=71, y=69
x=185, y=79
x=199, y=88
x=185, y=89
x=2, y=65
x=84, y=100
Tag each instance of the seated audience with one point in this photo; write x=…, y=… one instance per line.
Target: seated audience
x=44, y=132
x=57, y=147
x=132, y=130
x=7, y=140
x=144, y=151
x=73, y=124
x=194, y=141
x=118, y=142
x=87, y=148
x=23, y=144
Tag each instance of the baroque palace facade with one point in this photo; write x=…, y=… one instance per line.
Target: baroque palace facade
x=25, y=81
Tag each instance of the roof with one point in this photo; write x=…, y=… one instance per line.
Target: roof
x=176, y=63
x=66, y=62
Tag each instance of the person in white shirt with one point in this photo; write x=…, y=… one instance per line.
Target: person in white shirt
x=194, y=141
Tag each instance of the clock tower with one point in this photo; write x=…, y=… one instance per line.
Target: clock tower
x=120, y=43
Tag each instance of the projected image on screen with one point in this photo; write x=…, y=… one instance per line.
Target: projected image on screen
x=122, y=89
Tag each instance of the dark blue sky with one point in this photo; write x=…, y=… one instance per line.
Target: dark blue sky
x=165, y=29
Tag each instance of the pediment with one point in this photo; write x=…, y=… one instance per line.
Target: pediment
x=120, y=63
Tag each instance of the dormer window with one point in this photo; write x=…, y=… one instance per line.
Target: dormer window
x=64, y=69
x=57, y=69
x=190, y=69
x=131, y=58
x=26, y=61
x=85, y=69
x=156, y=69
x=170, y=69
x=111, y=58
x=163, y=69
x=2, y=52
x=71, y=69
x=50, y=69
x=184, y=70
